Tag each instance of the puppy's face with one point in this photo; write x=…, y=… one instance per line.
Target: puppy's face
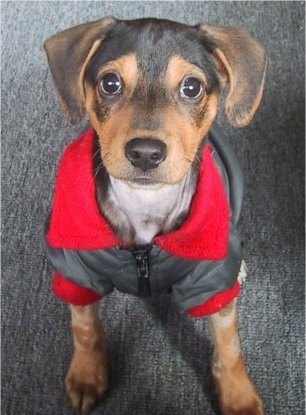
x=151, y=93
x=150, y=88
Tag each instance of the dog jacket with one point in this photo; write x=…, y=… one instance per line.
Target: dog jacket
x=198, y=263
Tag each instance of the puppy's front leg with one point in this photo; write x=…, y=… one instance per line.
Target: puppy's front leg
x=87, y=379
x=237, y=394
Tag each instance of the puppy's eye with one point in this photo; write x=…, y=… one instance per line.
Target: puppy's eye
x=191, y=88
x=111, y=84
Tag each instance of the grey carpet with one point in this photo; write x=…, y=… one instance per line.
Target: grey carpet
x=159, y=361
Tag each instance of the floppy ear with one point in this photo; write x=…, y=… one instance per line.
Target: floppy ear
x=243, y=61
x=68, y=54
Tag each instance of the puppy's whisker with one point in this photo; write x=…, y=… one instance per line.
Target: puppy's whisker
x=96, y=154
x=197, y=159
x=98, y=169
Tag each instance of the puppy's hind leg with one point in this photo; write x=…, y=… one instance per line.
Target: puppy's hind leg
x=87, y=378
x=237, y=394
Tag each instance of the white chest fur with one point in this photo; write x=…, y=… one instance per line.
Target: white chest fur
x=150, y=209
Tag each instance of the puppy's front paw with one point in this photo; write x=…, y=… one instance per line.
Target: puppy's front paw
x=253, y=406
x=87, y=380
x=237, y=394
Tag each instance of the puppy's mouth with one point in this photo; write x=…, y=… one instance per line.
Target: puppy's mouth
x=143, y=181
x=140, y=182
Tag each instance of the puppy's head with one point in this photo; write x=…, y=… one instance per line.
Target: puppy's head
x=151, y=89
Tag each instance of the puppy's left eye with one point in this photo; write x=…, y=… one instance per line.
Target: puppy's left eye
x=191, y=88
x=111, y=84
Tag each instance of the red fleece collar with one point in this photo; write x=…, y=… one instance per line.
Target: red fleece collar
x=76, y=221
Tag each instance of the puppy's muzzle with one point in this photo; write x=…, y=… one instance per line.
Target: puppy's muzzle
x=145, y=153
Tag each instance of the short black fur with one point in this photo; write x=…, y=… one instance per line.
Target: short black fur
x=154, y=42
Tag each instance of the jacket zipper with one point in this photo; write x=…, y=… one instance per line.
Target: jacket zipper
x=141, y=255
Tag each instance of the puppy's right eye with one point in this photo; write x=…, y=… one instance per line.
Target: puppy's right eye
x=191, y=88
x=110, y=84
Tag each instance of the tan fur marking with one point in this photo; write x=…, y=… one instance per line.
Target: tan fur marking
x=126, y=67
x=87, y=380
x=178, y=69
x=183, y=136
x=90, y=55
x=113, y=135
x=237, y=394
x=116, y=130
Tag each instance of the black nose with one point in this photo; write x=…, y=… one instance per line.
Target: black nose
x=145, y=153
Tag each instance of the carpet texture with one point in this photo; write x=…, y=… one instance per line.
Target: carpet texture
x=159, y=361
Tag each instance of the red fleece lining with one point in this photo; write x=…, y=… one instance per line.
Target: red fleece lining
x=204, y=234
x=215, y=303
x=73, y=293
x=76, y=221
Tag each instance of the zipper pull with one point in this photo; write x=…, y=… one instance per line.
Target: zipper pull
x=141, y=255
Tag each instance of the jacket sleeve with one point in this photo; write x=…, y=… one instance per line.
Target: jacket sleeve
x=215, y=303
x=73, y=293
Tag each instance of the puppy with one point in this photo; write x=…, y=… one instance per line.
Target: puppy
x=148, y=199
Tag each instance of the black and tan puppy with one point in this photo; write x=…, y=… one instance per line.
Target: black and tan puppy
x=140, y=204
